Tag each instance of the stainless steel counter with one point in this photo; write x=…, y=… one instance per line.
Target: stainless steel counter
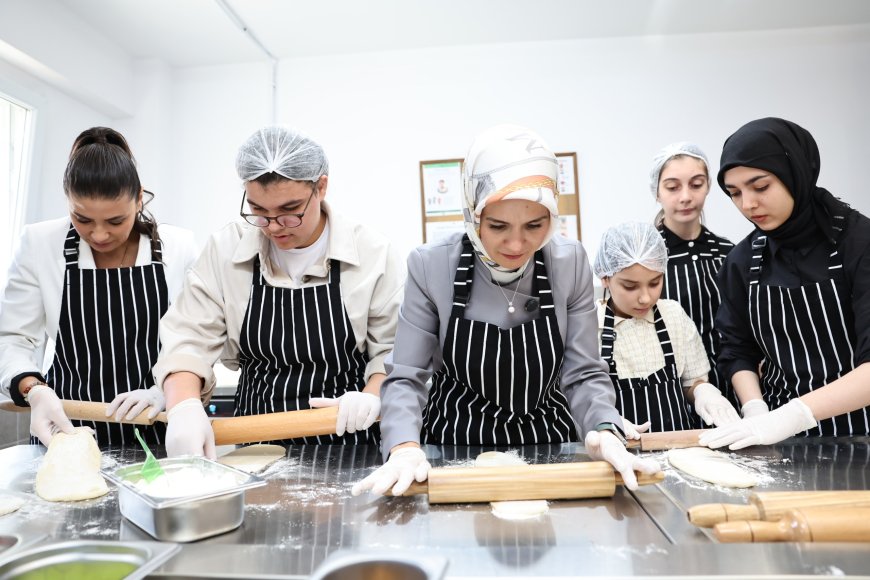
x=306, y=513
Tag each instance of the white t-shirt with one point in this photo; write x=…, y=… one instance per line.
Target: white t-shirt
x=296, y=262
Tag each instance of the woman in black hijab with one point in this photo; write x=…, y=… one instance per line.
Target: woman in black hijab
x=796, y=294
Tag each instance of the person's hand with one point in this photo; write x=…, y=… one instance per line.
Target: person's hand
x=754, y=408
x=764, y=429
x=633, y=431
x=605, y=446
x=402, y=468
x=46, y=414
x=127, y=406
x=356, y=410
x=712, y=407
x=189, y=430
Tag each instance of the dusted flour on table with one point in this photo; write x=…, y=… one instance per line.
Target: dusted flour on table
x=188, y=481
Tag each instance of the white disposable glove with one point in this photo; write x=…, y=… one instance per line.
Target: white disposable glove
x=46, y=414
x=765, y=429
x=356, y=410
x=401, y=469
x=189, y=430
x=633, y=431
x=712, y=407
x=754, y=408
x=127, y=406
x=604, y=445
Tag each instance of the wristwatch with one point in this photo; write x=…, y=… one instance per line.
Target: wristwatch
x=25, y=390
x=612, y=428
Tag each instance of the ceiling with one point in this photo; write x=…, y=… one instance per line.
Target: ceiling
x=199, y=32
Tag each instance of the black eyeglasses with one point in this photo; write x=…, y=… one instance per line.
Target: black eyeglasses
x=285, y=220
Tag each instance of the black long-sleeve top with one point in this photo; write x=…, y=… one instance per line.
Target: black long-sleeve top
x=792, y=267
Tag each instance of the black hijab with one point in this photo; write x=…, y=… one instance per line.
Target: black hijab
x=789, y=152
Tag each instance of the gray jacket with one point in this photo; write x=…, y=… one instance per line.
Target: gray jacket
x=425, y=314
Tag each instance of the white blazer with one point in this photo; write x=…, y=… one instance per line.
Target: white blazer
x=31, y=303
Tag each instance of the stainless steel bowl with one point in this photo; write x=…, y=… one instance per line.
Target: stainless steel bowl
x=188, y=518
x=93, y=560
x=346, y=565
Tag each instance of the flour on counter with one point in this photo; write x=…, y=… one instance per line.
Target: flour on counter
x=188, y=481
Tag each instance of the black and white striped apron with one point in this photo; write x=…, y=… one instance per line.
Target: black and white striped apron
x=499, y=386
x=298, y=343
x=657, y=398
x=807, y=336
x=691, y=280
x=107, y=337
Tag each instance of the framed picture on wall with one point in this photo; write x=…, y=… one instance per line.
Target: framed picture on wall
x=569, y=196
x=441, y=182
x=441, y=197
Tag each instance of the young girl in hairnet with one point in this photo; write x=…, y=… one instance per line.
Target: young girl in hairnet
x=680, y=182
x=657, y=361
x=499, y=318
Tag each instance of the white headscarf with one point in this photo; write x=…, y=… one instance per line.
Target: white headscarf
x=508, y=162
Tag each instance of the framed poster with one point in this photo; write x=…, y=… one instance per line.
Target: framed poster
x=442, y=187
x=441, y=197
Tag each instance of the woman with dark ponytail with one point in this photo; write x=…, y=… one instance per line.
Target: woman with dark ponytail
x=95, y=282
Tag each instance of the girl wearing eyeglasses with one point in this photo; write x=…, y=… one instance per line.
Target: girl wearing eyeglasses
x=96, y=282
x=303, y=301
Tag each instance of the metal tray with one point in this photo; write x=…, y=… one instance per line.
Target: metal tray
x=88, y=559
x=188, y=518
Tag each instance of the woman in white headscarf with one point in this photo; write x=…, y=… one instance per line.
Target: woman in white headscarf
x=502, y=319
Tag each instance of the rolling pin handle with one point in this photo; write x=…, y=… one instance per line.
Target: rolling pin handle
x=709, y=514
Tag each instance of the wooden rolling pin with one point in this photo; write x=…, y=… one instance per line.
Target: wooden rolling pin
x=666, y=440
x=227, y=431
x=811, y=524
x=523, y=482
x=772, y=505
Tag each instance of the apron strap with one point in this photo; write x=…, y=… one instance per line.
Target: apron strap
x=608, y=336
x=463, y=278
x=759, y=243
x=71, y=248
x=664, y=337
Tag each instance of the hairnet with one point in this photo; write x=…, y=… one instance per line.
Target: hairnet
x=668, y=153
x=286, y=152
x=508, y=162
x=628, y=244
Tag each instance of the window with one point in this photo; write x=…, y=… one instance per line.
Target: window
x=16, y=120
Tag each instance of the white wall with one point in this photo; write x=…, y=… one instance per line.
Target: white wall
x=59, y=119
x=615, y=102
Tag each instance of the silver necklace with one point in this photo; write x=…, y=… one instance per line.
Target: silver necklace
x=510, y=302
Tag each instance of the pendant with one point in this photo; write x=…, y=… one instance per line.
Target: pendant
x=511, y=308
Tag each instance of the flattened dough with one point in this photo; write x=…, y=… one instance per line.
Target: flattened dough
x=511, y=510
x=711, y=466
x=9, y=504
x=70, y=470
x=254, y=458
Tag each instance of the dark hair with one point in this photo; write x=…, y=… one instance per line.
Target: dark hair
x=101, y=166
x=269, y=178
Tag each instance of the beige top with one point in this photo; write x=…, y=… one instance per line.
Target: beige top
x=637, y=351
x=204, y=323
